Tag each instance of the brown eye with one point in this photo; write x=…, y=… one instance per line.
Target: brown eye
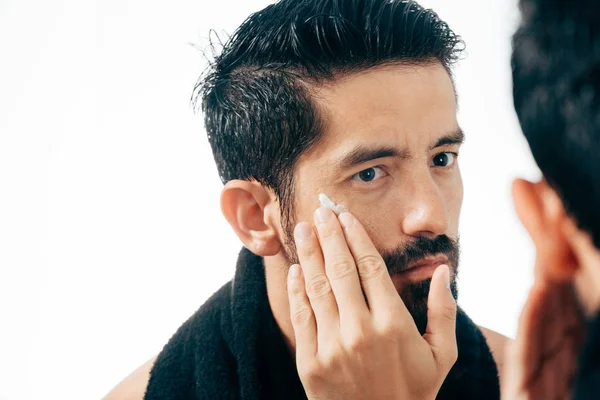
x=368, y=175
x=443, y=159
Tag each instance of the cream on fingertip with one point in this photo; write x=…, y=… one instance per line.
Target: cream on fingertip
x=326, y=202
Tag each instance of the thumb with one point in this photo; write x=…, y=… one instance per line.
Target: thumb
x=441, y=319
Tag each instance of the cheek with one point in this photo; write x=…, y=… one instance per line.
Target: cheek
x=305, y=206
x=380, y=222
x=453, y=192
x=306, y=194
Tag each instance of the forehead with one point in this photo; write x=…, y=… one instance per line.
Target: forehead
x=397, y=105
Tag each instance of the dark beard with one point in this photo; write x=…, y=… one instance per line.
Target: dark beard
x=414, y=295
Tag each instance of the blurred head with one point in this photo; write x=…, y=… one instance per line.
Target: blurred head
x=556, y=76
x=353, y=99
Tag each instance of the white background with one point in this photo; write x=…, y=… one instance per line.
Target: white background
x=110, y=230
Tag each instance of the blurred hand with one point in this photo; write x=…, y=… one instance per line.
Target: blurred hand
x=540, y=364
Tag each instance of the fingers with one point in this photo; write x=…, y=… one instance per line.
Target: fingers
x=573, y=323
x=565, y=367
x=318, y=288
x=552, y=339
x=541, y=361
x=551, y=378
x=374, y=277
x=530, y=336
x=521, y=356
x=340, y=267
x=441, y=319
x=303, y=321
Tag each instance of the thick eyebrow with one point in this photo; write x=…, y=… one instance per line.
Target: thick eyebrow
x=362, y=155
x=457, y=137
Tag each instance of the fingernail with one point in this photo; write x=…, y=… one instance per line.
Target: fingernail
x=303, y=231
x=294, y=271
x=346, y=219
x=322, y=214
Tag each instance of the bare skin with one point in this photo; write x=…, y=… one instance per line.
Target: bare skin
x=134, y=386
x=389, y=155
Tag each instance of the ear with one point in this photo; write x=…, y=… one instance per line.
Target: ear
x=248, y=207
x=543, y=215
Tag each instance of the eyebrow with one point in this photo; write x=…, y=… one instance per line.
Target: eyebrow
x=362, y=155
x=457, y=137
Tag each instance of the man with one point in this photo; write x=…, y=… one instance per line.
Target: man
x=556, y=74
x=353, y=100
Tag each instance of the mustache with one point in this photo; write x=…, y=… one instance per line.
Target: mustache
x=399, y=259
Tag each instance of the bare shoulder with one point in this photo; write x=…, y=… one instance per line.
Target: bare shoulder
x=497, y=343
x=134, y=386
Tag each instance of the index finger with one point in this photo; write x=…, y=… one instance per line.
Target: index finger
x=340, y=267
x=375, y=279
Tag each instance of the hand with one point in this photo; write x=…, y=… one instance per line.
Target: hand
x=349, y=348
x=541, y=363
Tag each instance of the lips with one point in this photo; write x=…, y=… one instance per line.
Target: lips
x=419, y=270
x=427, y=261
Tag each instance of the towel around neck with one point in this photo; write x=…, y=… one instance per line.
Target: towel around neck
x=232, y=348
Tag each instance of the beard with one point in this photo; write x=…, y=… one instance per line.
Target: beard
x=413, y=294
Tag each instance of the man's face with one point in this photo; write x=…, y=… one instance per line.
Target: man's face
x=388, y=155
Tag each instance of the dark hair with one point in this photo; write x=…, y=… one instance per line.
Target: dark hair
x=256, y=96
x=556, y=78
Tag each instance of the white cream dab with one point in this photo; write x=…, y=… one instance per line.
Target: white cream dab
x=326, y=202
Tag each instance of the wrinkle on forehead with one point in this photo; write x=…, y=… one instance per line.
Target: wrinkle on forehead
x=403, y=107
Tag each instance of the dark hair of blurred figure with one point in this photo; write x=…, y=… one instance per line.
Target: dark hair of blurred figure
x=556, y=78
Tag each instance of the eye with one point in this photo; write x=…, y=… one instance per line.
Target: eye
x=369, y=174
x=445, y=159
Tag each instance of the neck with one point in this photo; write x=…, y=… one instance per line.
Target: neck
x=276, y=271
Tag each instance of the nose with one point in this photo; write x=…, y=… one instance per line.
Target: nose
x=425, y=213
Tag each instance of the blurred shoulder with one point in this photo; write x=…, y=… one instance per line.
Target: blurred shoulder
x=134, y=386
x=497, y=343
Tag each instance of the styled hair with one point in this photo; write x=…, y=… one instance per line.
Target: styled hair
x=556, y=89
x=256, y=95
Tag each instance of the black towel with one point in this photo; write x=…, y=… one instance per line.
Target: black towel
x=232, y=348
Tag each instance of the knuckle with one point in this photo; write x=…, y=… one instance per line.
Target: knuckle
x=449, y=358
x=340, y=269
x=309, y=370
x=330, y=360
x=392, y=328
x=327, y=231
x=309, y=249
x=296, y=291
x=360, y=341
x=448, y=312
x=370, y=266
x=317, y=287
x=453, y=356
x=301, y=316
